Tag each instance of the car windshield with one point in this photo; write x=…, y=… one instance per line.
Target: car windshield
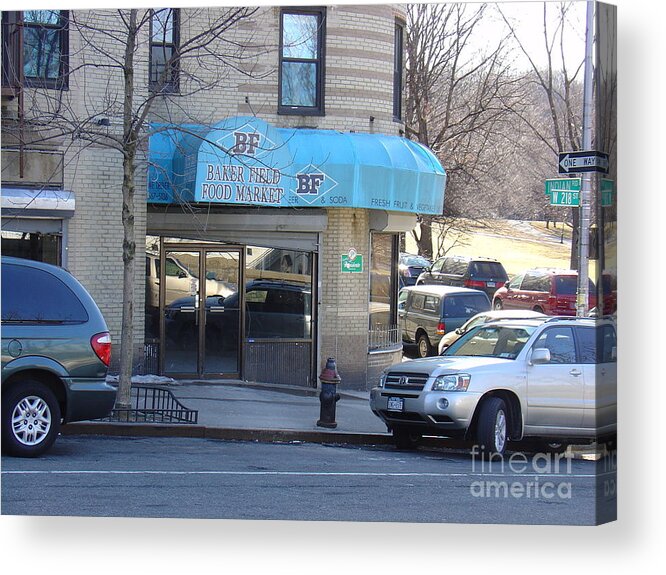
x=492, y=341
x=414, y=261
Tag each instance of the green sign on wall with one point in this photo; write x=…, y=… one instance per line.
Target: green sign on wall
x=351, y=263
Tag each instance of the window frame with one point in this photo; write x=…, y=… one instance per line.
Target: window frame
x=320, y=63
x=398, y=67
x=61, y=82
x=168, y=86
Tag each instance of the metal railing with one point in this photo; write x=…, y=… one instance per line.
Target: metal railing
x=383, y=337
x=154, y=404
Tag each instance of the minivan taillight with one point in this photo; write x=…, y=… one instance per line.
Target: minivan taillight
x=441, y=328
x=474, y=284
x=101, y=344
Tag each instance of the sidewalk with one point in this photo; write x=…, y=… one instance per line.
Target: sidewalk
x=252, y=411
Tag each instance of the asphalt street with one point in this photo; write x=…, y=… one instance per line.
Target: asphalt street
x=199, y=478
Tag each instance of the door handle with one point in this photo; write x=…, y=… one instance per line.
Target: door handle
x=576, y=372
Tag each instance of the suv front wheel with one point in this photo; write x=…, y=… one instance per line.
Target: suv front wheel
x=30, y=419
x=406, y=440
x=493, y=426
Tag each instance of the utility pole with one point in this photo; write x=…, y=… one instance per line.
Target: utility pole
x=583, y=290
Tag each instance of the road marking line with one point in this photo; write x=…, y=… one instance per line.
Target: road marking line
x=308, y=473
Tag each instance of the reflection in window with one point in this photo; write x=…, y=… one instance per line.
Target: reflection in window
x=45, y=47
x=278, y=294
x=163, y=50
x=383, y=307
x=301, y=62
x=397, y=70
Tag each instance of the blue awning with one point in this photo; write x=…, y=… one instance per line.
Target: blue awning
x=249, y=162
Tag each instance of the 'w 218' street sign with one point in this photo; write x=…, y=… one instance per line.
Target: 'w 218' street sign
x=585, y=161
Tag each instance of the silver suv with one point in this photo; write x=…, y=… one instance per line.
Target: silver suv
x=551, y=380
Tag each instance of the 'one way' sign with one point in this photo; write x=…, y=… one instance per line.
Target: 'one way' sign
x=584, y=161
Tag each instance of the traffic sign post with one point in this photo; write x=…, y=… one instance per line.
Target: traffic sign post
x=582, y=162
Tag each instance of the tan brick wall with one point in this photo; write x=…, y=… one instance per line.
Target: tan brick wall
x=358, y=84
x=343, y=320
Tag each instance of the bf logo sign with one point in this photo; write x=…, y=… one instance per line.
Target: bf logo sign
x=309, y=183
x=245, y=143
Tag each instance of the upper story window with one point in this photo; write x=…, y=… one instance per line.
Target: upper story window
x=398, y=64
x=301, y=89
x=164, y=38
x=35, y=48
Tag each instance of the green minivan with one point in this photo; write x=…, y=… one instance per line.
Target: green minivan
x=427, y=312
x=56, y=350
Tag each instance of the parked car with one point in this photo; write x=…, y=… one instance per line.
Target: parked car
x=547, y=291
x=485, y=317
x=426, y=313
x=273, y=309
x=550, y=381
x=56, y=350
x=410, y=267
x=483, y=274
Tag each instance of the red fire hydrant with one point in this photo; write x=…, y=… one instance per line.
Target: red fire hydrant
x=328, y=396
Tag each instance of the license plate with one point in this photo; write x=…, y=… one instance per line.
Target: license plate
x=490, y=284
x=396, y=404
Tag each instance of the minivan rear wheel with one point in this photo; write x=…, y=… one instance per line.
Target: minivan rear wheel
x=423, y=345
x=30, y=419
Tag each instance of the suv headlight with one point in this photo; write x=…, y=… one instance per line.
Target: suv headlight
x=382, y=379
x=452, y=382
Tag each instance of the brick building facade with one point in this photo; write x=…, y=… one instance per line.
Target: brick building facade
x=332, y=75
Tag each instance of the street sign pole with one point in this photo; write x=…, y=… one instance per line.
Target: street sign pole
x=582, y=295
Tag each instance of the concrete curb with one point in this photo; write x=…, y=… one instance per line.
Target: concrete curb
x=204, y=432
x=269, y=435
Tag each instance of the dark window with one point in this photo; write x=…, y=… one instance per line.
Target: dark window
x=596, y=345
x=418, y=301
x=398, y=45
x=35, y=296
x=487, y=270
x=461, y=306
x=164, y=39
x=44, y=37
x=455, y=266
x=301, y=89
x=431, y=303
x=560, y=342
x=515, y=282
x=532, y=282
x=568, y=285
x=32, y=246
x=438, y=265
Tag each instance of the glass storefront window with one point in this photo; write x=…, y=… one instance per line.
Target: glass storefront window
x=278, y=294
x=383, y=290
x=32, y=246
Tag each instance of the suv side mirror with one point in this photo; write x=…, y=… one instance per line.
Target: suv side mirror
x=540, y=356
x=182, y=275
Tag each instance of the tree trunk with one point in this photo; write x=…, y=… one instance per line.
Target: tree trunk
x=424, y=242
x=123, y=399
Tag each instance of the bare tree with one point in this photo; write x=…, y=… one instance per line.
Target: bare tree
x=559, y=82
x=459, y=98
x=113, y=49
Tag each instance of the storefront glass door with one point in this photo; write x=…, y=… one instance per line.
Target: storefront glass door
x=200, y=311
